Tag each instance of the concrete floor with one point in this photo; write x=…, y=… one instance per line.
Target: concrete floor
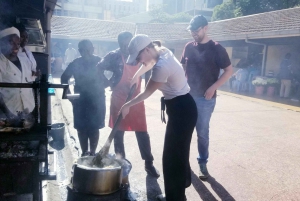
x=254, y=151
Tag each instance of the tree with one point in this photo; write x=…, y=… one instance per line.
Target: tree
x=179, y=17
x=159, y=16
x=236, y=8
x=224, y=11
x=249, y=7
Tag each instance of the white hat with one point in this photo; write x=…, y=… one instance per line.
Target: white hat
x=9, y=31
x=136, y=44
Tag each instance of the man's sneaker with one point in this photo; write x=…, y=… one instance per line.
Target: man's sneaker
x=203, y=174
x=126, y=194
x=152, y=171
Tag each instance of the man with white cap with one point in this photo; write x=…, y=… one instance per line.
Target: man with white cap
x=13, y=69
x=70, y=55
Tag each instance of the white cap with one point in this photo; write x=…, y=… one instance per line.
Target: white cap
x=136, y=44
x=9, y=31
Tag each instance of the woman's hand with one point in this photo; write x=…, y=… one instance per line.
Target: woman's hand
x=135, y=80
x=124, y=110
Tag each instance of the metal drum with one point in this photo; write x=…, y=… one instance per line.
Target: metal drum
x=98, y=181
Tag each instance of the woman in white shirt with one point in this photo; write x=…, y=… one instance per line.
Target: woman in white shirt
x=167, y=76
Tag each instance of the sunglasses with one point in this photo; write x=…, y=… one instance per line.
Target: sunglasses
x=196, y=31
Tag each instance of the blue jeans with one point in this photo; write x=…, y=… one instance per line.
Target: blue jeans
x=205, y=109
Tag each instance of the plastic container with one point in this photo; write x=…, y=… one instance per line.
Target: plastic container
x=58, y=131
x=51, y=91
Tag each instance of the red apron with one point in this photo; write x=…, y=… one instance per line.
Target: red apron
x=136, y=118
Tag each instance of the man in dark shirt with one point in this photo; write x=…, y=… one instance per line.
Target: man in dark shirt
x=89, y=109
x=285, y=76
x=203, y=59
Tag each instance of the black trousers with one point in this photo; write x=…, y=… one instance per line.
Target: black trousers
x=143, y=140
x=182, y=118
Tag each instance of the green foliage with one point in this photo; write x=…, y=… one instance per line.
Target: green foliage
x=224, y=11
x=272, y=81
x=236, y=8
x=249, y=7
x=159, y=16
x=259, y=81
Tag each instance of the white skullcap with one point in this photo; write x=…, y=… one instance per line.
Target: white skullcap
x=9, y=31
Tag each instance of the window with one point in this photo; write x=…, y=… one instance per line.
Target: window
x=240, y=52
x=57, y=12
x=74, y=13
x=65, y=13
x=91, y=15
x=73, y=1
x=35, y=37
x=92, y=2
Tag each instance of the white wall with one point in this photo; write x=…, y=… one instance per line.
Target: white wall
x=277, y=53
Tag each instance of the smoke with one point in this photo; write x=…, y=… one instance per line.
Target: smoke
x=110, y=161
x=7, y=15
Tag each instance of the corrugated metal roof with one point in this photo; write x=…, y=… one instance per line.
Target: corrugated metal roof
x=79, y=28
x=164, y=31
x=259, y=25
x=280, y=23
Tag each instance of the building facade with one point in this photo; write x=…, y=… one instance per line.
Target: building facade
x=99, y=9
x=177, y=6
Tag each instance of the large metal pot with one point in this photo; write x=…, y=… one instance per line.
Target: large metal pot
x=99, y=181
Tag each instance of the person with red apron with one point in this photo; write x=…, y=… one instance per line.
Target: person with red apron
x=122, y=74
x=136, y=119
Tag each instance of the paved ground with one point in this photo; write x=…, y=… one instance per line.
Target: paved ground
x=254, y=151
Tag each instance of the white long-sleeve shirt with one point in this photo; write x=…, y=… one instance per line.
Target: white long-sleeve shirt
x=16, y=99
x=26, y=54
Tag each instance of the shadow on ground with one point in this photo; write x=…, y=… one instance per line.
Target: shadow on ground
x=204, y=192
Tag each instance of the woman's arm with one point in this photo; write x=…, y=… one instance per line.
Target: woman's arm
x=143, y=69
x=150, y=89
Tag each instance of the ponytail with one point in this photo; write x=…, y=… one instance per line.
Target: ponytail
x=157, y=43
